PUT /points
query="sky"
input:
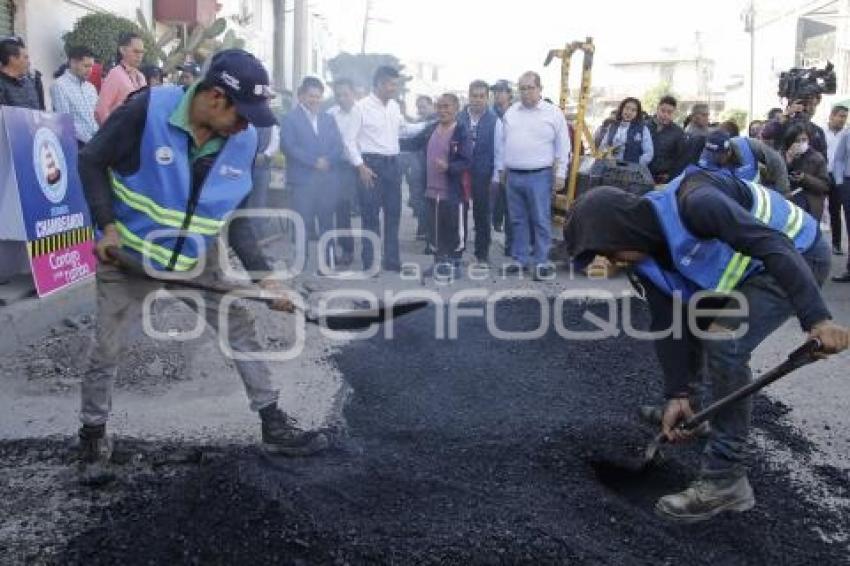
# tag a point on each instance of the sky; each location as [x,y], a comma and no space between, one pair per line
[492,40]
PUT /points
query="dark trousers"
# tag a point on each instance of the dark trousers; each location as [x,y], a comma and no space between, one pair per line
[835,213]
[259,199]
[314,202]
[843,191]
[482,216]
[384,195]
[346,190]
[447,232]
[500,206]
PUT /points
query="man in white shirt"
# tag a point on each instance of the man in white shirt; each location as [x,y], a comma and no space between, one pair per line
[376,157]
[837,121]
[348,119]
[532,149]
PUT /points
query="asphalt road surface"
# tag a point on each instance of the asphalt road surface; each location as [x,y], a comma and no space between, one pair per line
[467,451]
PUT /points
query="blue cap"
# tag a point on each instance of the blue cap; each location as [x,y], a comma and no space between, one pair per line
[244,79]
[716,144]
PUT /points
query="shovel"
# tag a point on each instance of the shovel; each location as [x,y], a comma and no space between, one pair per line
[357,319]
[804,355]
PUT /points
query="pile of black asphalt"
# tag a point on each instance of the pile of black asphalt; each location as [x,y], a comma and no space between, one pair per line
[473,451]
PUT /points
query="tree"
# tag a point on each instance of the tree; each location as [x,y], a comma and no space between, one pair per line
[735,115]
[361,67]
[651,97]
[99,32]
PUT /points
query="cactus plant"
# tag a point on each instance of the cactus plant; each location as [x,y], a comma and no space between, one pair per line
[201,43]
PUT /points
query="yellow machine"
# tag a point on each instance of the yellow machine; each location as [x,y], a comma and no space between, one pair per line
[562,202]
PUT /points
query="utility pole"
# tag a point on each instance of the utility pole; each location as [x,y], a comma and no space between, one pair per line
[366,18]
[279,48]
[750,27]
[300,37]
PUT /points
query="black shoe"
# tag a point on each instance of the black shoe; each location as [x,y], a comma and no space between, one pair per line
[836,249]
[95,456]
[497,228]
[282,436]
[843,278]
[544,272]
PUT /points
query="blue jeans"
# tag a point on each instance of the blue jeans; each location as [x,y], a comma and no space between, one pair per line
[529,205]
[728,365]
[386,196]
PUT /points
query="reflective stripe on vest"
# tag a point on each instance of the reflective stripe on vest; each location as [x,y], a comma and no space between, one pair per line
[738,264]
[164,216]
[157,253]
[159,196]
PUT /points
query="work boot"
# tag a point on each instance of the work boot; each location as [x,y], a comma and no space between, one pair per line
[94,456]
[706,498]
[282,436]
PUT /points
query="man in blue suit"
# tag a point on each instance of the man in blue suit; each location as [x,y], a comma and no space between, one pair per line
[480,121]
[313,146]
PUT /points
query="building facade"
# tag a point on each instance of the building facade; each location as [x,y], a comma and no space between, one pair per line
[798,33]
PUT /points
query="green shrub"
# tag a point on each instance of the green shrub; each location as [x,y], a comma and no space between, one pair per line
[99,32]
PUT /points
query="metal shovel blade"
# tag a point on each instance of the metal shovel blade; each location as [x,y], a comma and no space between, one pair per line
[363,318]
[623,466]
[619,465]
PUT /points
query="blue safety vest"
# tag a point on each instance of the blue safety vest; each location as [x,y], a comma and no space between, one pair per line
[151,204]
[712,264]
[748,170]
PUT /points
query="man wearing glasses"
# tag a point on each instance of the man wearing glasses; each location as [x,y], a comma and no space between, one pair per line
[532,150]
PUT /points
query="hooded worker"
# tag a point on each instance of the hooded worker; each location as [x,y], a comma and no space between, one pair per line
[709,231]
[161,177]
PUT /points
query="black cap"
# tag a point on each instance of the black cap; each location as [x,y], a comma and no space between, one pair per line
[501,86]
[717,143]
[246,82]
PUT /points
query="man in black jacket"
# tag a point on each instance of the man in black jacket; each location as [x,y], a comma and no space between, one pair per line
[17,86]
[668,139]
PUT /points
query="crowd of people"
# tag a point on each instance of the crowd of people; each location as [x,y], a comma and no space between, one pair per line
[489,166]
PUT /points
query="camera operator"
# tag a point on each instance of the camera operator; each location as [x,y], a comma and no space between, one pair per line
[799,111]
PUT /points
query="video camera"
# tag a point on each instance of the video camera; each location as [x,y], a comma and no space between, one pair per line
[797,83]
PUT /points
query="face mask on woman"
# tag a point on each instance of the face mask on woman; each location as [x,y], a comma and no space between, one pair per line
[798,148]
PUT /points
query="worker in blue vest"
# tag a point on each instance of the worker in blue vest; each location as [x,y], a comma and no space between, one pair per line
[161,178]
[742,157]
[709,231]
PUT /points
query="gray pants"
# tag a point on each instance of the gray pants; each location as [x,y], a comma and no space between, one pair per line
[120,298]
